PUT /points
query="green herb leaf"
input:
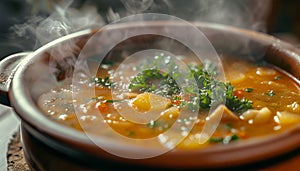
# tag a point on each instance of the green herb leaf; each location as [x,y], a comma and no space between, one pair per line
[248,90]
[225,140]
[131,134]
[270,93]
[215,140]
[103,81]
[112,101]
[102,98]
[228,126]
[152,80]
[234,103]
[278,77]
[158,124]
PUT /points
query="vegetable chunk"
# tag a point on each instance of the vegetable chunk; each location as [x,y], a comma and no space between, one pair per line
[257,116]
[148,101]
[224,113]
[285,118]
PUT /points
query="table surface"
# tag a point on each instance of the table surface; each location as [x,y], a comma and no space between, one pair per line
[9,124]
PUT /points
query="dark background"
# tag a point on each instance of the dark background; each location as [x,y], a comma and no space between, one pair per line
[283,19]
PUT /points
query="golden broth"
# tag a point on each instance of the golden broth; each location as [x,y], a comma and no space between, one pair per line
[275,97]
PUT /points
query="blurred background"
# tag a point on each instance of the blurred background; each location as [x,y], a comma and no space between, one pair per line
[20,18]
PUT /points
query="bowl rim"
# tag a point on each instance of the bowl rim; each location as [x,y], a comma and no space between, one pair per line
[30,114]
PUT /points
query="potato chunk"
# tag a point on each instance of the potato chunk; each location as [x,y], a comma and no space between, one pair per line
[223,113]
[285,118]
[148,101]
[265,71]
[142,102]
[263,116]
[172,112]
[235,77]
[257,116]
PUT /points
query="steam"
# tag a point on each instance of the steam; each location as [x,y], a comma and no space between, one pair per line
[250,14]
[63,21]
[137,6]
[247,14]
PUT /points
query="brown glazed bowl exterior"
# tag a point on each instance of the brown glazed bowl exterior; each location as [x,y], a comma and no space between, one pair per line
[51,146]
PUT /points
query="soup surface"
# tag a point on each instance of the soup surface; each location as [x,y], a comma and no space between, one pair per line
[256,100]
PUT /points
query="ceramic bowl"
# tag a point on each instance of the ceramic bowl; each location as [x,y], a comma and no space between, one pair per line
[52,146]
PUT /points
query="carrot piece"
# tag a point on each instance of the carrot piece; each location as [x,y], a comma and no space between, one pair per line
[103,107]
[242,134]
[238,93]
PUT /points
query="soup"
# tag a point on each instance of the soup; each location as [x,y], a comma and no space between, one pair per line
[255,100]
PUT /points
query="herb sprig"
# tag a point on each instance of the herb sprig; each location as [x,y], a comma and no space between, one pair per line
[209,91]
[152,80]
[103,81]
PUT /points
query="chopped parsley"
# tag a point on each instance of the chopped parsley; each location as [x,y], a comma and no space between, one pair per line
[216,140]
[224,140]
[213,92]
[112,101]
[152,80]
[103,82]
[278,77]
[228,126]
[131,134]
[208,93]
[248,90]
[102,98]
[157,124]
[270,93]
[234,103]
